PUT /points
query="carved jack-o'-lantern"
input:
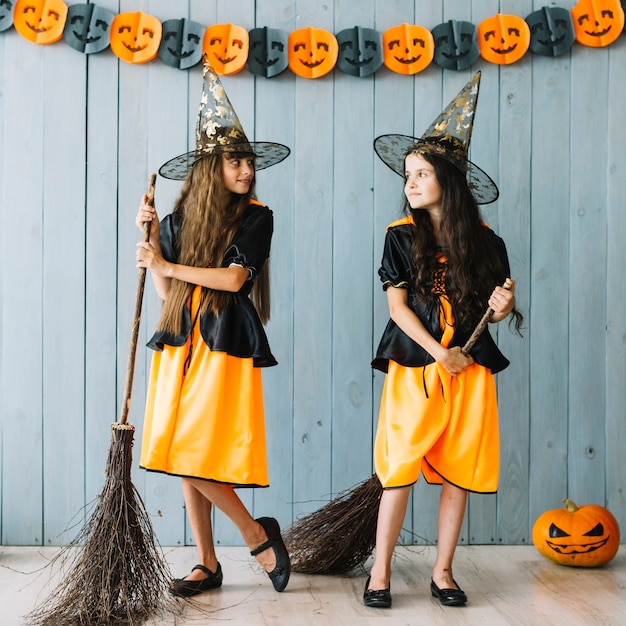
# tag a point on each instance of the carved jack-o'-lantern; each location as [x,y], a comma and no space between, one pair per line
[597,23]
[503,39]
[226,48]
[312,52]
[6,14]
[268,52]
[87,28]
[585,536]
[456,45]
[551,31]
[408,48]
[360,51]
[135,37]
[40,21]
[181,43]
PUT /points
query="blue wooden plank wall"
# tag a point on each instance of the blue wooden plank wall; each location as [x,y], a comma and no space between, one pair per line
[80,134]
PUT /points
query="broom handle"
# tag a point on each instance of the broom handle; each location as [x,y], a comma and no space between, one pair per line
[480,327]
[141,281]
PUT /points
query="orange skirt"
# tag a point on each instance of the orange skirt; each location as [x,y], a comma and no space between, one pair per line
[208,421]
[444,426]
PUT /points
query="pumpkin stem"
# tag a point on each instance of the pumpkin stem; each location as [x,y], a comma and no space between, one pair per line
[571,507]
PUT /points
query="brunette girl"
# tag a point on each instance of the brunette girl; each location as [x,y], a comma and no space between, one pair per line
[441,268]
[204,418]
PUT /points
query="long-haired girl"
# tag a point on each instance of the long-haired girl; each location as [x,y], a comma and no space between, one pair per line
[441,268]
[204,419]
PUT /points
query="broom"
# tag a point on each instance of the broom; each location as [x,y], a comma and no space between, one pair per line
[118,574]
[341,535]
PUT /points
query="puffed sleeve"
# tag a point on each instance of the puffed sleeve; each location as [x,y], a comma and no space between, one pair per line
[395,269]
[251,246]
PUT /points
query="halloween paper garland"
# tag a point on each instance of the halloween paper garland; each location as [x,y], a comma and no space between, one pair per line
[137,37]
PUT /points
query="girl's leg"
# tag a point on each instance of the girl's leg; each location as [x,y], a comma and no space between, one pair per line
[390,519]
[451,511]
[225,499]
[199,514]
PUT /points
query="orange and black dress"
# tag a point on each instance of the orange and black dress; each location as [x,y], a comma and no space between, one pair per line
[204,410]
[444,426]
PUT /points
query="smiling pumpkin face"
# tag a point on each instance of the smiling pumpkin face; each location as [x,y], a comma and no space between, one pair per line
[135,37]
[6,14]
[456,45]
[268,52]
[40,21]
[360,51]
[551,31]
[181,43]
[408,48]
[87,28]
[503,39]
[597,23]
[312,52]
[226,47]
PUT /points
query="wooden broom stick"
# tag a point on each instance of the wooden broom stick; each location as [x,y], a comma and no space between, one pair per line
[141,281]
[480,327]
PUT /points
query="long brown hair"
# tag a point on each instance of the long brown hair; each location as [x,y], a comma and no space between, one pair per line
[474,267]
[210,216]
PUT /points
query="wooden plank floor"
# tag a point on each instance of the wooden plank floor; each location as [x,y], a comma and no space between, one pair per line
[505,585]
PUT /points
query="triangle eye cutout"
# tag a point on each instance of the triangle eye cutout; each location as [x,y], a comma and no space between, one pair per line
[596,531]
[556,532]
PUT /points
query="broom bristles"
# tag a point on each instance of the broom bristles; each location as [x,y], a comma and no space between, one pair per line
[338,537]
[118,575]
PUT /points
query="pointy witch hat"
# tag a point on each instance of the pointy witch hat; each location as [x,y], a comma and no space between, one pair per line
[448,137]
[219,131]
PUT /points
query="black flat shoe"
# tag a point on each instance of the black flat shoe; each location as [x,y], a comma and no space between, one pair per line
[187,588]
[280,574]
[376,598]
[448,597]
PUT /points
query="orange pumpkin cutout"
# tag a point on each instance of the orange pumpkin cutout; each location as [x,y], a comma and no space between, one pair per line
[312,52]
[585,536]
[226,47]
[40,21]
[597,23]
[408,48]
[135,37]
[503,39]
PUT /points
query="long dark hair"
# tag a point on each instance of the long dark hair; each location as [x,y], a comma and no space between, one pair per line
[208,226]
[474,266]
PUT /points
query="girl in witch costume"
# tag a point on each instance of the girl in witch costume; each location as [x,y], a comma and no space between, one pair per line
[204,416]
[441,266]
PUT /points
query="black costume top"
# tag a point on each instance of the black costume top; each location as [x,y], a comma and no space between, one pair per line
[237,330]
[395,344]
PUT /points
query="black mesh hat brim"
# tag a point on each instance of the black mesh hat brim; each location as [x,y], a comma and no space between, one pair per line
[392,150]
[266,154]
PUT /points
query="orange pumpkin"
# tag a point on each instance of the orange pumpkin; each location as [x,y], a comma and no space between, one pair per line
[585,536]
[597,23]
[40,21]
[408,48]
[503,39]
[226,47]
[135,37]
[312,52]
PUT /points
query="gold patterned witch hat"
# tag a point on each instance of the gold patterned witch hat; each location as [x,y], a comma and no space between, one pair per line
[219,131]
[448,137]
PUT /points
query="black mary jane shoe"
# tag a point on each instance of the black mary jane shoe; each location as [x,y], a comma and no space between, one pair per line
[187,588]
[448,597]
[376,598]
[280,574]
